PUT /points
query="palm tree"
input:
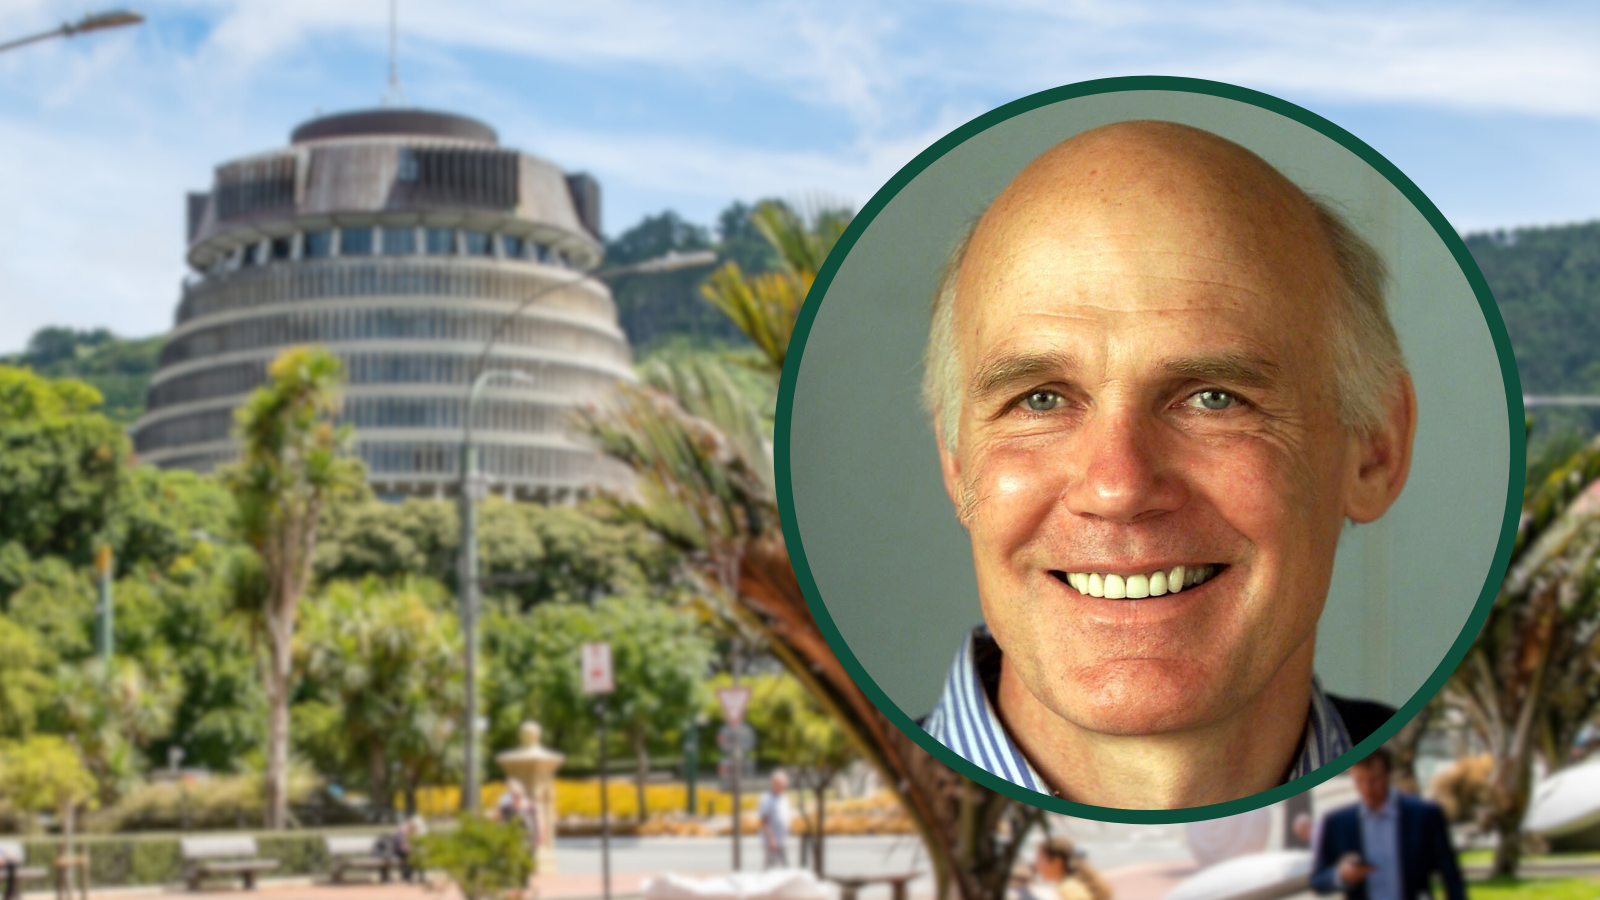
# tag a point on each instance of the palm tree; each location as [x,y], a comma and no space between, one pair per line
[704,483]
[292,462]
[388,656]
[1532,677]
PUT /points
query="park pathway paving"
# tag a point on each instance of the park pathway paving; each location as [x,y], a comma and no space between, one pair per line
[548,887]
[1149,881]
[1140,881]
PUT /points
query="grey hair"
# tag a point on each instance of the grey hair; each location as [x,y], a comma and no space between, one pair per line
[1367,358]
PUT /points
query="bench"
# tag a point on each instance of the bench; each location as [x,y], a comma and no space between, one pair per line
[222,856]
[14,850]
[368,852]
[851,885]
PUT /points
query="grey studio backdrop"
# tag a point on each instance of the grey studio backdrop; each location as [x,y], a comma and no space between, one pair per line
[894,566]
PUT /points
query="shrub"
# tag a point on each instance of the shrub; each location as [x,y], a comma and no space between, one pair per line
[484,858]
[1462,789]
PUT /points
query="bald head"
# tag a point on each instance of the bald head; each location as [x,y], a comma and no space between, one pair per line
[1163,189]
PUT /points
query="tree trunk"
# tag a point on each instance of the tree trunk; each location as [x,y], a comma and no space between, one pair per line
[283,597]
[641,753]
[382,803]
[1405,747]
[972,834]
[1509,787]
[822,824]
[276,799]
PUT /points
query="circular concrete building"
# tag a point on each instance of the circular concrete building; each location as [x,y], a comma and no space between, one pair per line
[401,240]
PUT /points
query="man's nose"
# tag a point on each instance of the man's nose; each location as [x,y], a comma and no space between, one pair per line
[1127,474]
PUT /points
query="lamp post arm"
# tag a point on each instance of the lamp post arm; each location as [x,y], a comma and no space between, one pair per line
[61,31]
[91,22]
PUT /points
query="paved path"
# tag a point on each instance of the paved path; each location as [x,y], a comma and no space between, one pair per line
[1142,865]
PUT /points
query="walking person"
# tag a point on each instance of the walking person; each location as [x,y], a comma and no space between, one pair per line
[773,811]
[1060,872]
[11,874]
[1386,847]
[516,806]
[405,843]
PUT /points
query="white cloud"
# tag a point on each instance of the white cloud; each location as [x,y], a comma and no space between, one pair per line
[105,133]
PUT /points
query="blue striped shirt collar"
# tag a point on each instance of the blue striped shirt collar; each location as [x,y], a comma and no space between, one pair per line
[965,721]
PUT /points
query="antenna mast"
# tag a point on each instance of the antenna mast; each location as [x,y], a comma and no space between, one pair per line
[394,96]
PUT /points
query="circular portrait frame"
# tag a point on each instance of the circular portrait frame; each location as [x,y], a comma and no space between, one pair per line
[783,454]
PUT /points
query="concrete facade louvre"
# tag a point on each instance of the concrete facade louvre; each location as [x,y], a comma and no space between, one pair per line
[277,262]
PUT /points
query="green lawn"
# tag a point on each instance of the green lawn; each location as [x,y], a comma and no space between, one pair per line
[1470,857]
[1535,889]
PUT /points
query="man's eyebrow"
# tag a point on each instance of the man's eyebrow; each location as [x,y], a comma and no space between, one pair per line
[1243,369]
[1007,372]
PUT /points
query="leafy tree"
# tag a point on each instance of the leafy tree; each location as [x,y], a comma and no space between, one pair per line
[659,657]
[44,772]
[292,464]
[113,709]
[25,687]
[185,615]
[570,553]
[385,659]
[163,514]
[702,486]
[61,466]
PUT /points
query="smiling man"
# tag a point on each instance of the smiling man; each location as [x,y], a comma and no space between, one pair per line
[1162,379]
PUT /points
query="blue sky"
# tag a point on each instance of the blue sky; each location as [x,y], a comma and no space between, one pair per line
[1493,109]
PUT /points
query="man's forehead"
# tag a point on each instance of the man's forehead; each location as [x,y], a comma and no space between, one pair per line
[1146,218]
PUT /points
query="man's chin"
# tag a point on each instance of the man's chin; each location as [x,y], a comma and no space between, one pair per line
[1137,697]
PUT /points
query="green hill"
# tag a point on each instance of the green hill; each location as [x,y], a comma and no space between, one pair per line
[1547,284]
[120,368]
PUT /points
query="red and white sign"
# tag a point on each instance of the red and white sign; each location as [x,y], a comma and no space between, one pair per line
[597,669]
[733,700]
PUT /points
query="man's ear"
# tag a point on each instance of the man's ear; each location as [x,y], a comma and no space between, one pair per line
[950,467]
[1384,457]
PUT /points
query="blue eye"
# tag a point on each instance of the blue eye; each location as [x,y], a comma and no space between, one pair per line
[1042,401]
[1213,400]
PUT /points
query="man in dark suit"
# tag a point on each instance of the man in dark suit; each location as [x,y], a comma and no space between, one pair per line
[1386,847]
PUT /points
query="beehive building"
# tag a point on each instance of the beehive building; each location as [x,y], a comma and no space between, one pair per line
[400,239]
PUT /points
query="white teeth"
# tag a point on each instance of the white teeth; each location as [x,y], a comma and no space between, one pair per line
[1137,587]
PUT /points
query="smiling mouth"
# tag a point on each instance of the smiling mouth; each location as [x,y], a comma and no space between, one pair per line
[1114,586]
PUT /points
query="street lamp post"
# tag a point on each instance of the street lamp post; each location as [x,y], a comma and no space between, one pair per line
[92,22]
[473,487]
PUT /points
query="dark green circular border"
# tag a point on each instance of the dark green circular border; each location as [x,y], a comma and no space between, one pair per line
[1491,315]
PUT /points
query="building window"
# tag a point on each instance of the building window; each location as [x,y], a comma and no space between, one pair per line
[282,247]
[408,165]
[476,243]
[355,242]
[399,241]
[441,241]
[513,247]
[318,244]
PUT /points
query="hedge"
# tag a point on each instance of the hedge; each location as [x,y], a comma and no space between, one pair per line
[145,859]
